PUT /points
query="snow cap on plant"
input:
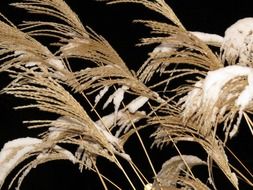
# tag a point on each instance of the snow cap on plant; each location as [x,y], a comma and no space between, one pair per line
[237,44]
[219,95]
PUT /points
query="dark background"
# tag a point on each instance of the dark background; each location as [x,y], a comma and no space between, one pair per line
[114,22]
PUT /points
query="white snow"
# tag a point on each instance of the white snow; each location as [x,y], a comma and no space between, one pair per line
[123,118]
[175,165]
[215,80]
[238,42]
[136,104]
[234,131]
[55,132]
[65,154]
[210,39]
[117,98]
[247,94]
[126,120]
[56,63]
[101,94]
[196,92]
[107,121]
[206,92]
[164,48]
[114,141]
[12,152]
[148,186]
[60,125]
[19,52]
[32,63]
[109,137]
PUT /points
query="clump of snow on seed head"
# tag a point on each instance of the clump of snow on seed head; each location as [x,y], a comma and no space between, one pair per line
[238,42]
[201,102]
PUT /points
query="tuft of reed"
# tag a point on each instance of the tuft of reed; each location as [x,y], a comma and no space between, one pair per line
[209,94]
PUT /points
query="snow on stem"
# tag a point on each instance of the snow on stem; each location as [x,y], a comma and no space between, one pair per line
[17,150]
[13,152]
[210,39]
[215,81]
[101,94]
[212,85]
[237,44]
[136,104]
[202,99]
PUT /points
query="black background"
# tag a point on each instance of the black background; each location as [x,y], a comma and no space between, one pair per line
[114,22]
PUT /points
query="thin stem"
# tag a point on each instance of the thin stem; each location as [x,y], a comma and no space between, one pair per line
[124,172]
[138,173]
[118,163]
[179,152]
[249,122]
[100,118]
[240,162]
[105,178]
[241,175]
[144,148]
[171,139]
[100,176]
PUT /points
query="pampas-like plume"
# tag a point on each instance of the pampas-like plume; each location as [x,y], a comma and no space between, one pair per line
[71,28]
[78,41]
[159,6]
[237,45]
[171,129]
[186,49]
[205,105]
[214,90]
[175,170]
[74,127]
[18,150]
[50,96]
[25,50]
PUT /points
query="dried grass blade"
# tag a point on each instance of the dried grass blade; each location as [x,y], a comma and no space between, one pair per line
[159,6]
